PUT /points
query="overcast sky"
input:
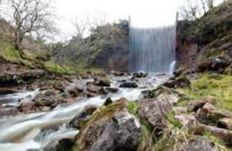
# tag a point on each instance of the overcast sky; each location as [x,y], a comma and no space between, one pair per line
[143,12]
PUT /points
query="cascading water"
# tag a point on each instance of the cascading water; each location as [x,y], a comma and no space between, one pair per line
[152,49]
[37,130]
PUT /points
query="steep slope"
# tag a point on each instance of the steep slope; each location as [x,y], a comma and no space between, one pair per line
[207,38]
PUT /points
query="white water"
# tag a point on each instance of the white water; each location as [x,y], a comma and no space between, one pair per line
[152,49]
[13,99]
[21,133]
[172,67]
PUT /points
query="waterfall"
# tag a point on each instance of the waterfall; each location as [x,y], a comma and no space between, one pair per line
[152,49]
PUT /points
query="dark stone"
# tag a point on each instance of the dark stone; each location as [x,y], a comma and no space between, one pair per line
[102,82]
[108,101]
[63,145]
[140,75]
[120,133]
[178,82]
[108,90]
[82,117]
[129,85]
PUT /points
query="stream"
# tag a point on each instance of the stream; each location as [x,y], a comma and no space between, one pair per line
[38,130]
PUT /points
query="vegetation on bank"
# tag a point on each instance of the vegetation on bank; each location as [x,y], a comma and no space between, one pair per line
[216,85]
[174,136]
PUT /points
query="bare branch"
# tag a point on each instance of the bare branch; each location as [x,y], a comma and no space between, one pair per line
[29,16]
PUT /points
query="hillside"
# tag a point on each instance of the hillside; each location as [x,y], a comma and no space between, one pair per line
[207,38]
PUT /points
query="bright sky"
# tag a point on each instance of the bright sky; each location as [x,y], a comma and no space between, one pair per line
[142,12]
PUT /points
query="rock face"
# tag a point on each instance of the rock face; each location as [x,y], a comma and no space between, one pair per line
[111,129]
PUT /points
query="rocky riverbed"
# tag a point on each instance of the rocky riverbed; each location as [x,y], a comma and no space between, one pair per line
[39,113]
[114,111]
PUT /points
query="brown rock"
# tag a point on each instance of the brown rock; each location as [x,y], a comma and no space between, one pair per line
[225,123]
[110,129]
[193,106]
[154,111]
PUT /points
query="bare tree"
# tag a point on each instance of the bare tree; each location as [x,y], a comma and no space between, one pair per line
[193,9]
[29,17]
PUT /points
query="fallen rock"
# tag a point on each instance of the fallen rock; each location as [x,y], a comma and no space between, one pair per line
[200,144]
[154,111]
[129,85]
[225,123]
[224,134]
[102,82]
[187,120]
[178,82]
[139,75]
[93,88]
[211,116]
[49,98]
[193,106]
[110,129]
[217,64]
[108,101]
[160,90]
[27,107]
[82,117]
[62,145]
[117,73]
[107,90]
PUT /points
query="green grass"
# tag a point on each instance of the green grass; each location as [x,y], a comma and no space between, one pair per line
[52,67]
[8,52]
[133,107]
[70,68]
[219,86]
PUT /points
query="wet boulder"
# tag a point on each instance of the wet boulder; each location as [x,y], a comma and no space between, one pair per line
[139,75]
[108,101]
[178,82]
[49,98]
[93,88]
[82,117]
[111,128]
[129,85]
[162,93]
[62,145]
[102,82]
[117,73]
[107,90]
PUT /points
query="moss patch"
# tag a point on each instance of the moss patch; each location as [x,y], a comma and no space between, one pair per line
[219,86]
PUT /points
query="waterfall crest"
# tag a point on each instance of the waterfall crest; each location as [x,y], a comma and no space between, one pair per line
[152,49]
